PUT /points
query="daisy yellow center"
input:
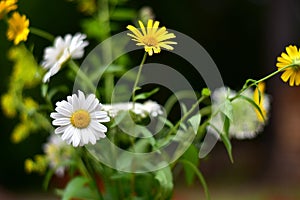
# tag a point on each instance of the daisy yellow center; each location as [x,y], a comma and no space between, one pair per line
[150,41]
[80,119]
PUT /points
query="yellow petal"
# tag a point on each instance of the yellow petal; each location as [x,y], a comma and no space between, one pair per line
[135,31]
[161,31]
[292,51]
[155,26]
[165,37]
[285,56]
[142,27]
[149,26]
[283,60]
[297,78]
[164,45]
[292,79]
[286,75]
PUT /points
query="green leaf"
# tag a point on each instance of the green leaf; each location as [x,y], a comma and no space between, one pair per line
[165,179]
[78,188]
[226,126]
[146,95]
[251,101]
[44,89]
[195,122]
[228,146]
[199,175]
[226,142]
[226,109]
[165,121]
[191,154]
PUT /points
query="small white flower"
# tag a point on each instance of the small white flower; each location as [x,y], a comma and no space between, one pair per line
[78,119]
[149,108]
[63,49]
[57,152]
[245,123]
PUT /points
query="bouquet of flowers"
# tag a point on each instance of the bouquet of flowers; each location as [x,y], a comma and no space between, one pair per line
[117,131]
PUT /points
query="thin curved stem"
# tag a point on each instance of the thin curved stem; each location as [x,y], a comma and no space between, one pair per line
[254,82]
[82,75]
[42,34]
[138,78]
[187,114]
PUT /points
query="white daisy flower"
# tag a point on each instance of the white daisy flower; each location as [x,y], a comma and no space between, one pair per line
[63,49]
[245,123]
[149,108]
[78,119]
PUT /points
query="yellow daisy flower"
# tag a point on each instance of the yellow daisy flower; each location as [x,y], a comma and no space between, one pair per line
[152,37]
[259,99]
[6,6]
[18,28]
[291,58]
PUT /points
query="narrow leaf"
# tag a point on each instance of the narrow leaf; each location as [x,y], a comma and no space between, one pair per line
[199,175]
[191,154]
[146,95]
[251,101]
[228,146]
[195,122]
[226,109]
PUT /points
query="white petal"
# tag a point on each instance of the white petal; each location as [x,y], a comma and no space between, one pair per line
[56,115]
[99,114]
[89,100]
[75,103]
[93,105]
[91,136]
[101,135]
[76,137]
[81,98]
[98,127]
[60,129]
[46,77]
[68,133]
[85,136]
[106,119]
[63,111]
[61,122]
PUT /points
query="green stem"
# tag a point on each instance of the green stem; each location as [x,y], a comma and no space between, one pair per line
[138,78]
[187,114]
[254,82]
[103,18]
[88,171]
[42,34]
[82,75]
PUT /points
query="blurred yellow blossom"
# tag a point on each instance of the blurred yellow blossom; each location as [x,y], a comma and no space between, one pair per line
[26,71]
[39,164]
[8,105]
[6,6]
[18,28]
[20,132]
[259,99]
